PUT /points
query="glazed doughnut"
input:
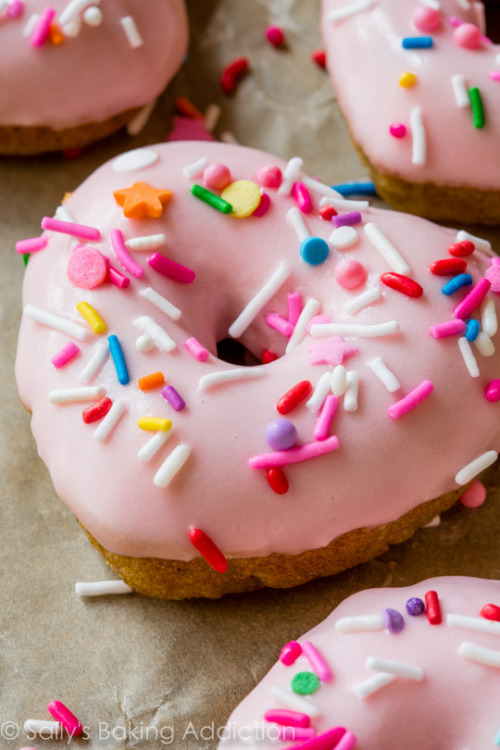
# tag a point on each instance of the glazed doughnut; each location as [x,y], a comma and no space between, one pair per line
[75,71]
[382,672]
[355,427]
[419,87]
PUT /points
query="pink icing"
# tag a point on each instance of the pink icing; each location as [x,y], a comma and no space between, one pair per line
[371,99]
[405,713]
[378,465]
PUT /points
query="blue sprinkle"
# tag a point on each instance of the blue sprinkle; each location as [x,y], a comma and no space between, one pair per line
[497,738]
[472,332]
[456,283]
[119,360]
[394,621]
[417,42]
[314,250]
[415,606]
[359,187]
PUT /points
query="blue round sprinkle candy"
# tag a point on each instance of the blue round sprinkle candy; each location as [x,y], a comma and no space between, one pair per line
[415,606]
[314,250]
[472,331]
[394,621]
[281,434]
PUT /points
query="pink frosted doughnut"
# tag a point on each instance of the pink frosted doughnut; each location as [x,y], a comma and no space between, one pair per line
[205,475]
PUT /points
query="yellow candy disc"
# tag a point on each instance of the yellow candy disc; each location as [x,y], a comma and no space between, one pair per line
[407,80]
[244,196]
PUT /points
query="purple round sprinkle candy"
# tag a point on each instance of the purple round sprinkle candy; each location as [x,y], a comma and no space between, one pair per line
[281,434]
[394,621]
[173,397]
[415,606]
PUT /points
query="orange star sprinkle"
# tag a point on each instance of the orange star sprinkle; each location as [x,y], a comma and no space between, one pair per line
[142,200]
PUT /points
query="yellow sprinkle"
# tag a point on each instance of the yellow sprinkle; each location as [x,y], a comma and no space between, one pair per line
[155,424]
[244,196]
[92,317]
[407,80]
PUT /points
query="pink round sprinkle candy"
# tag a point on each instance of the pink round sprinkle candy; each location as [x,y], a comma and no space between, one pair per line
[65,354]
[87,268]
[290,653]
[426,19]
[467,35]
[263,207]
[216,176]
[302,197]
[275,36]
[269,176]
[474,495]
[493,391]
[350,274]
[397,129]
[63,715]
[493,276]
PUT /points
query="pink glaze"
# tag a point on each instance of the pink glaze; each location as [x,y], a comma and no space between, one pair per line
[377,468]
[455,705]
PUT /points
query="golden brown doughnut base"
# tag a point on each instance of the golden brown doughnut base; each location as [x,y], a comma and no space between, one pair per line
[171,579]
[29,141]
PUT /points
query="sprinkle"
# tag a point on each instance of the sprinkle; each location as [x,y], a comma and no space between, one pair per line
[212,116]
[131,32]
[474,495]
[65,354]
[15,8]
[302,197]
[32,245]
[232,73]
[398,668]
[102,588]
[141,201]
[154,424]
[92,317]
[411,400]
[42,28]
[473,299]
[317,662]
[328,193]
[295,220]
[339,381]
[294,702]
[207,549]
[57,323]
[147,382]
[310,309]
[117,278]
[275,35]
[141,119]
[244,196]
[324,421]
[461,249]
[456,283]
[362,300]
[468,357]
[172,465]
[478,624]
[402,284]
[295,733]
[291,175]
[47,729]
[493,391]
[305,683]
[433,608]
[264,205]
[352,329]
[277,480]
[99,356]
[334,738]
[281,434]
[489,322]
[279,324]
[360,624]
[63,214]
[269,176]
[161,303]
[76,395]
[108,424]
[372,684]
[385,375]
[123,255]
[31,24]
[151,448]
[314,250]
[118,359]
[495,76]
[294,455]
[268,356]
[386,249]
[477,107]
[288,718]
[196,350]
[97,411]
[415,606]
[319,57]
[87,268]
[472,330]
[460,90]
[349,10]
[479,242]
[419,137]
[136,159]
[148,242]
[487,656]
[74,230]
[150,327]
[346,220]
[351,394]
[394,621]
[294,307]
[397,130]
[288,656]
[292,398]
[476,467]
[66,718]
[449,328]
[356,187]
[327,212]
[407,80]
[263,296]
[417,42]
[228,376]
[171,269]
[343,238]
[448,266]
[320,392]
[195,169]
[491,612]
[173,397]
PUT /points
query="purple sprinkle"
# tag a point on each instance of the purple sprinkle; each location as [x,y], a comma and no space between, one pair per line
[347,220]
[173,397]
[415,606]
[394,621]
[281,434]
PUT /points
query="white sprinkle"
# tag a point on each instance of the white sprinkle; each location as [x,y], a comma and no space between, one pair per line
[487,656]
[161,303]
[476,467]
[468,357]
[310,309]
[131,32]
[195,169]
[144,343]
[153,445]
[98,358]
[51,730]
[497,60]
[398,668]
[212,115]
[74,395]
[322,330]
[373,684]
[351,394]
[435,4]
[419,147]
[4,4]
[479,242]
[148,242]
[295,220]
[436,521]
[479,624]
[291,174]
[136,159]
[92,16]
[108,424]
[320,392]
[150,327]
[228,376]
[362,300]
[386,249]
[484,344]
[343,238]
[460,90]
[326,191]
[360,623]
[349,10]
[51,320]
[72,28]
[73,10]
[31,25]
[141,119]
[489,322]
[338,382]
[465,4]
[271,286]
[228,137]
[385,375]
[293,702]
[63,214]
[345,203]
[172,465]
[102,588]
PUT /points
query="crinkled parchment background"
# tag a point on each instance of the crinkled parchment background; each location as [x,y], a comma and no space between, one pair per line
[129,665]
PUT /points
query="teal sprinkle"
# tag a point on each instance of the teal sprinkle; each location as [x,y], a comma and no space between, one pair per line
[497,739]
[477,107]
[212,199]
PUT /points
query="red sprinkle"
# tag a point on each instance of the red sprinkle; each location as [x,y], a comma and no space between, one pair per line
[327,212]
[448,266]
[187,109]
[462,249]
[277,480]
[208,550]
[97,411]
[232,74]
[319,57]
[268,356]
[432,608]
[402,284]
[275,36]
[491,612]
[294,396]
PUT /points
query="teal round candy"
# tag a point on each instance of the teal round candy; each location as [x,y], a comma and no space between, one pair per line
[305,683]
[314,250]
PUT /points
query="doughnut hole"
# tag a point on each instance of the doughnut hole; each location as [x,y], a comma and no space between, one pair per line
[236,353]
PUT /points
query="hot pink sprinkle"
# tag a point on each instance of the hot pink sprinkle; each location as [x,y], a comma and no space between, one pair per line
[33,245]
[263,207]
[317,662]
[493,391]
[397,129]
[347,220]
[171,269]
[288,718]
[294,455]
[14,9]
[296,733]
[196,349]
[493,276]
[68,227]
[288,656]
[326,741]
[450,328]
[117,278]
[495,75]
[324,421]
[411,400]
[275,35]
[473,299]
[279,324]
[64,716]
[474,495]
[294,307]
[302,197]
[123,255]
[41,31]
[65,354]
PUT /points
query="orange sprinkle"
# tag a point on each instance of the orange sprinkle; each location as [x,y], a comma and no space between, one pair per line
[55,34]
[184,107]
[151,381]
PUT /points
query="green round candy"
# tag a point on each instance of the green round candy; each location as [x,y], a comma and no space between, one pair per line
[305,683]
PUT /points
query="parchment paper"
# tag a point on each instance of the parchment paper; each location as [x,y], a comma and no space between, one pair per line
[138,672]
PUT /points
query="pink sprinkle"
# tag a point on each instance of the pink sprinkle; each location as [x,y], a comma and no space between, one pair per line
[269,176]
[290,734]
[288,718]
[263,207]
[473,299]
[317,662]
[117,278]
[347,742]
[495,75]
[450,328]
[495,261]
[65,354]
[411,400]
[350,274]
[196,349]
[279,324]
[288,656]
[15,8]
[324,421]
[493,391]
[87,267]
[397,129]
[302,197]
[68,227]
[63,715]
[474,495]
[32,245]
[347,220]
[123,255]
[171,269]
[275,36]
[493,275]
[294,307]
[325,741]
[41,31]
[294,455]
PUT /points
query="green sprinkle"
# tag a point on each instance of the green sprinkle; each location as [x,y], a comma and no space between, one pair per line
[212,199]
[305,683]
[477,107]
[26,258]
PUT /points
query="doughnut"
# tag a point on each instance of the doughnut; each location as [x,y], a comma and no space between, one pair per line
[75,71]
[230,393]
[388,667]
[419,87]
